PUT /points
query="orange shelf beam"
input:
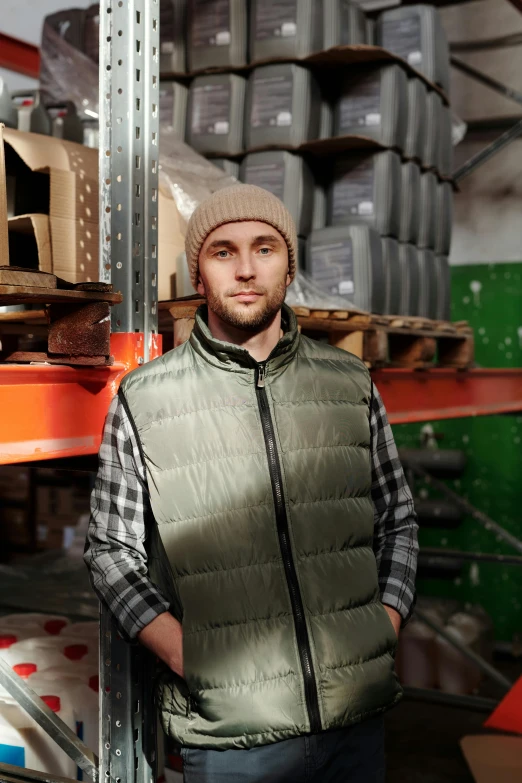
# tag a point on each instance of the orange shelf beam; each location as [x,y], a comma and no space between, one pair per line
[19,56]
[416,395]
[51,411]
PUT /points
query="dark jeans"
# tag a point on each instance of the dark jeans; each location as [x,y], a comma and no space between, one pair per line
[351,755]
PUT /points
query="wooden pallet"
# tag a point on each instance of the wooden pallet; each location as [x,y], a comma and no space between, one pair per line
[73,317]
[380,340]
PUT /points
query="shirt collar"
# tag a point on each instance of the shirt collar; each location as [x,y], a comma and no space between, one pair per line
[234,358]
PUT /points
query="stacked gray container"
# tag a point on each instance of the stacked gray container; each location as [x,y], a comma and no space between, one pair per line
[173,98]
[344,24]
[172,36]
[365,190]
[215,114]
[373,103]
[283,106]
[394,196]
[285,28]
[218,34]
[347,261]
[288,177]
[415,33]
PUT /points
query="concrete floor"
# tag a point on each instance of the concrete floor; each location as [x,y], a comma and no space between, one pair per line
[422,740]
[422,743]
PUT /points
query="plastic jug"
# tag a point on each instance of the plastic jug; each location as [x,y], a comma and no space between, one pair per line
[37,653]
[418,655]
[86,672]
[24,744]
[86,630]
[456,673]
[50,624]
[83,700]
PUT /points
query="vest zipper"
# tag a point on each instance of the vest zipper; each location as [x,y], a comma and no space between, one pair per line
[303,642]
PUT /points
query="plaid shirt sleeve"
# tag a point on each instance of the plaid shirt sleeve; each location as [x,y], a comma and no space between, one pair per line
[395,522]
[115,548]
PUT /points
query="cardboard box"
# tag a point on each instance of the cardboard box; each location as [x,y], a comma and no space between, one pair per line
[30,241]
[15,528]
[48,537]
[14,483]
[171,242]
[59,506]
[493,758]
[49,176]
[53,210]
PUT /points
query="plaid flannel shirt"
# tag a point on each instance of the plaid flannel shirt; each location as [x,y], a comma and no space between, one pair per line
[115,550]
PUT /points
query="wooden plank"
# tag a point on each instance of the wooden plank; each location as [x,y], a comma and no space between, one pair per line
[182,330]
[375,350]
[350,341]
[28,357]
[22,316]
[79,330]
[360,319]
[456,353]
[13,294]
[16,275]
[320,314]
[407,350]
[184,309]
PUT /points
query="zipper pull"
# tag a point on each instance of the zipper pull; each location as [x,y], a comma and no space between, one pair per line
[261,375]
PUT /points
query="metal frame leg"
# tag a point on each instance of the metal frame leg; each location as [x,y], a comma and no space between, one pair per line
[127,711]
[482,664]
[479,516]
[129,151]
[502,141]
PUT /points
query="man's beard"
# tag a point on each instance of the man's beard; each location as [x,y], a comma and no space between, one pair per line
[250,318]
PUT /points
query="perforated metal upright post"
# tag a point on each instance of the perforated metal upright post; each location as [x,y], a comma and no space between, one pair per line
[129,143]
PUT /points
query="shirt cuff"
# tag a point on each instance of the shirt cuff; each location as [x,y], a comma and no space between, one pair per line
[403,605]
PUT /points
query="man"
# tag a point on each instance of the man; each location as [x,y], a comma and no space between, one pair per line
[251,524]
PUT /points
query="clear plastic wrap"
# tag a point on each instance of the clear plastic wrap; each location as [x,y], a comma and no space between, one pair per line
[303,292]
[66,74]
[188,176]
[55,581]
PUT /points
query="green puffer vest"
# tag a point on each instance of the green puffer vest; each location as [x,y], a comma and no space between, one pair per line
[259,479]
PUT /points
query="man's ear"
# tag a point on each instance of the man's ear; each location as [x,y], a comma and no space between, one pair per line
[201,287]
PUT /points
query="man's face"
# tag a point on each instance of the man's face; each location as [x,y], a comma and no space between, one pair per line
[243,273]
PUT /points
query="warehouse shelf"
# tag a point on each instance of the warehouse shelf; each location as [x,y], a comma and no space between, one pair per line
[19,56]
[45,400]
[414,396]
[55,411]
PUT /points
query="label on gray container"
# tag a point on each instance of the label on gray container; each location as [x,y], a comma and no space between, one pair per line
[166,106]
[361,105]
[211,23]
[276,19]
[269,176]
[272,102]
[403,38]
[353,193]
[332,267]
[211,109]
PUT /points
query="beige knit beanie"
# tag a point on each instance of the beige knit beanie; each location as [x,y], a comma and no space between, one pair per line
[232,205]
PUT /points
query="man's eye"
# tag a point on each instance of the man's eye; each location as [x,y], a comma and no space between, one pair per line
[264,251]
[222,253]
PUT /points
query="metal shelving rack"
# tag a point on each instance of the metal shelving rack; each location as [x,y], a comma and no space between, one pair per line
[129,161]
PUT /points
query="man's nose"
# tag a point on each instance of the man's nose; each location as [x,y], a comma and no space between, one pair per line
[245,269]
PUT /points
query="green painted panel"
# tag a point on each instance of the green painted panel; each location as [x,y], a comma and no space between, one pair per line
[489,296]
